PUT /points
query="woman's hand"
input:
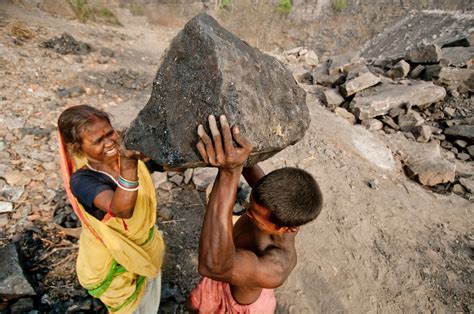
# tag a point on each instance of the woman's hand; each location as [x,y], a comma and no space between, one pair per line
[220,151]
[128,160]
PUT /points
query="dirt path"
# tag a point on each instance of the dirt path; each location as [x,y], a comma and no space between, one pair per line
[394,248]
[397,248]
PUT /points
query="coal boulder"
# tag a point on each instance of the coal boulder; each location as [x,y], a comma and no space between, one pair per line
[208,70]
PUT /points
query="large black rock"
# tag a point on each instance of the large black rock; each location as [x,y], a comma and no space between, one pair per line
[207,70]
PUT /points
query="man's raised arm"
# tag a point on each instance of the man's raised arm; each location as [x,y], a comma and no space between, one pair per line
[216,246]
[218,257]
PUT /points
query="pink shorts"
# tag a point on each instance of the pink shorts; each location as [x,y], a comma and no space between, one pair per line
[212,296]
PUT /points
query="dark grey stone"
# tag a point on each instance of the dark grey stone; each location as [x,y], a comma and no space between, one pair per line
[431,72]
[457,78]
[72,92]
[80,306]
[466,41]
[463,132]
[207,70]
[399,70]
[66,44]
[107,52]
[13,283]
[321,76]
[417,71]
[457,56]
[21,306]
[463,156]
[424,54]
[410,120]
[389,121]
[470,150]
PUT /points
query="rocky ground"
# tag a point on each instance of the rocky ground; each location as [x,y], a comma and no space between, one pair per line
[384,243]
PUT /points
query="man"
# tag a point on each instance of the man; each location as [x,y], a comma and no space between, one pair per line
[242,264]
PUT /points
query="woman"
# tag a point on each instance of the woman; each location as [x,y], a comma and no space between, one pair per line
[110,188]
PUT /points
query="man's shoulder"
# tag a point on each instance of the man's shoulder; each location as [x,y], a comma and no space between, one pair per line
[262,243]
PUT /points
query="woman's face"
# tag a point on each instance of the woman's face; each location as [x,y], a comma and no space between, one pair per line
[99,142]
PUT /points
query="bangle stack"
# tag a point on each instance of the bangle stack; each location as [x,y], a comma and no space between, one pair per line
[127,185]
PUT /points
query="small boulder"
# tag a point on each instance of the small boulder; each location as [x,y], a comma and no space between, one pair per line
[159,178]
[372,124]
[457,56]
[342,63]
[458,189]
[311,58]
[463,132]
[302,75]
[322,77]
[391,123]
[6,207]
[24,305]
[410,120]
[399,70]
[468,183]
[422,133]
[292,59]
[13,283]
[381,99]
[431,172]
[463,156]
[449,111]
[460,143]
[295,51]
[424,54]
[333,98]
[188,175]
[166,186]
[346,115]
[417,71]
[177,179]
[470,150]
[395,112]
[202,177]
[459,77]
[431,72]
[364,81]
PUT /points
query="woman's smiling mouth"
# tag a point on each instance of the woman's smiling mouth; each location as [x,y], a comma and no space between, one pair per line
[111,152]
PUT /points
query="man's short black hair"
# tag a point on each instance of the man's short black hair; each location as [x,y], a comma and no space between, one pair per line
[291,194]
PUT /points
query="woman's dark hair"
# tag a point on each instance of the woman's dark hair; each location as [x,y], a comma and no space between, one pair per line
[73,121]
[292,195]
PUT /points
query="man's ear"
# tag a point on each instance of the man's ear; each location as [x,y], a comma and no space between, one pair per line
[292,229]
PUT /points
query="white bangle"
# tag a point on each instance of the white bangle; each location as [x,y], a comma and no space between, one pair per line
[128,189]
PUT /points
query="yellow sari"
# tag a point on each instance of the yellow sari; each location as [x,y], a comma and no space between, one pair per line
[113,261]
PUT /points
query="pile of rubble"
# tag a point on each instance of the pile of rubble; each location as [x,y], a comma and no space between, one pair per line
[66,44]
[426,96]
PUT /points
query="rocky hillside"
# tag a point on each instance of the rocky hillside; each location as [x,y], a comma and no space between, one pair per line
[326,26]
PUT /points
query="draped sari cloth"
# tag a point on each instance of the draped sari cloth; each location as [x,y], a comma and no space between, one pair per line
[117,256]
